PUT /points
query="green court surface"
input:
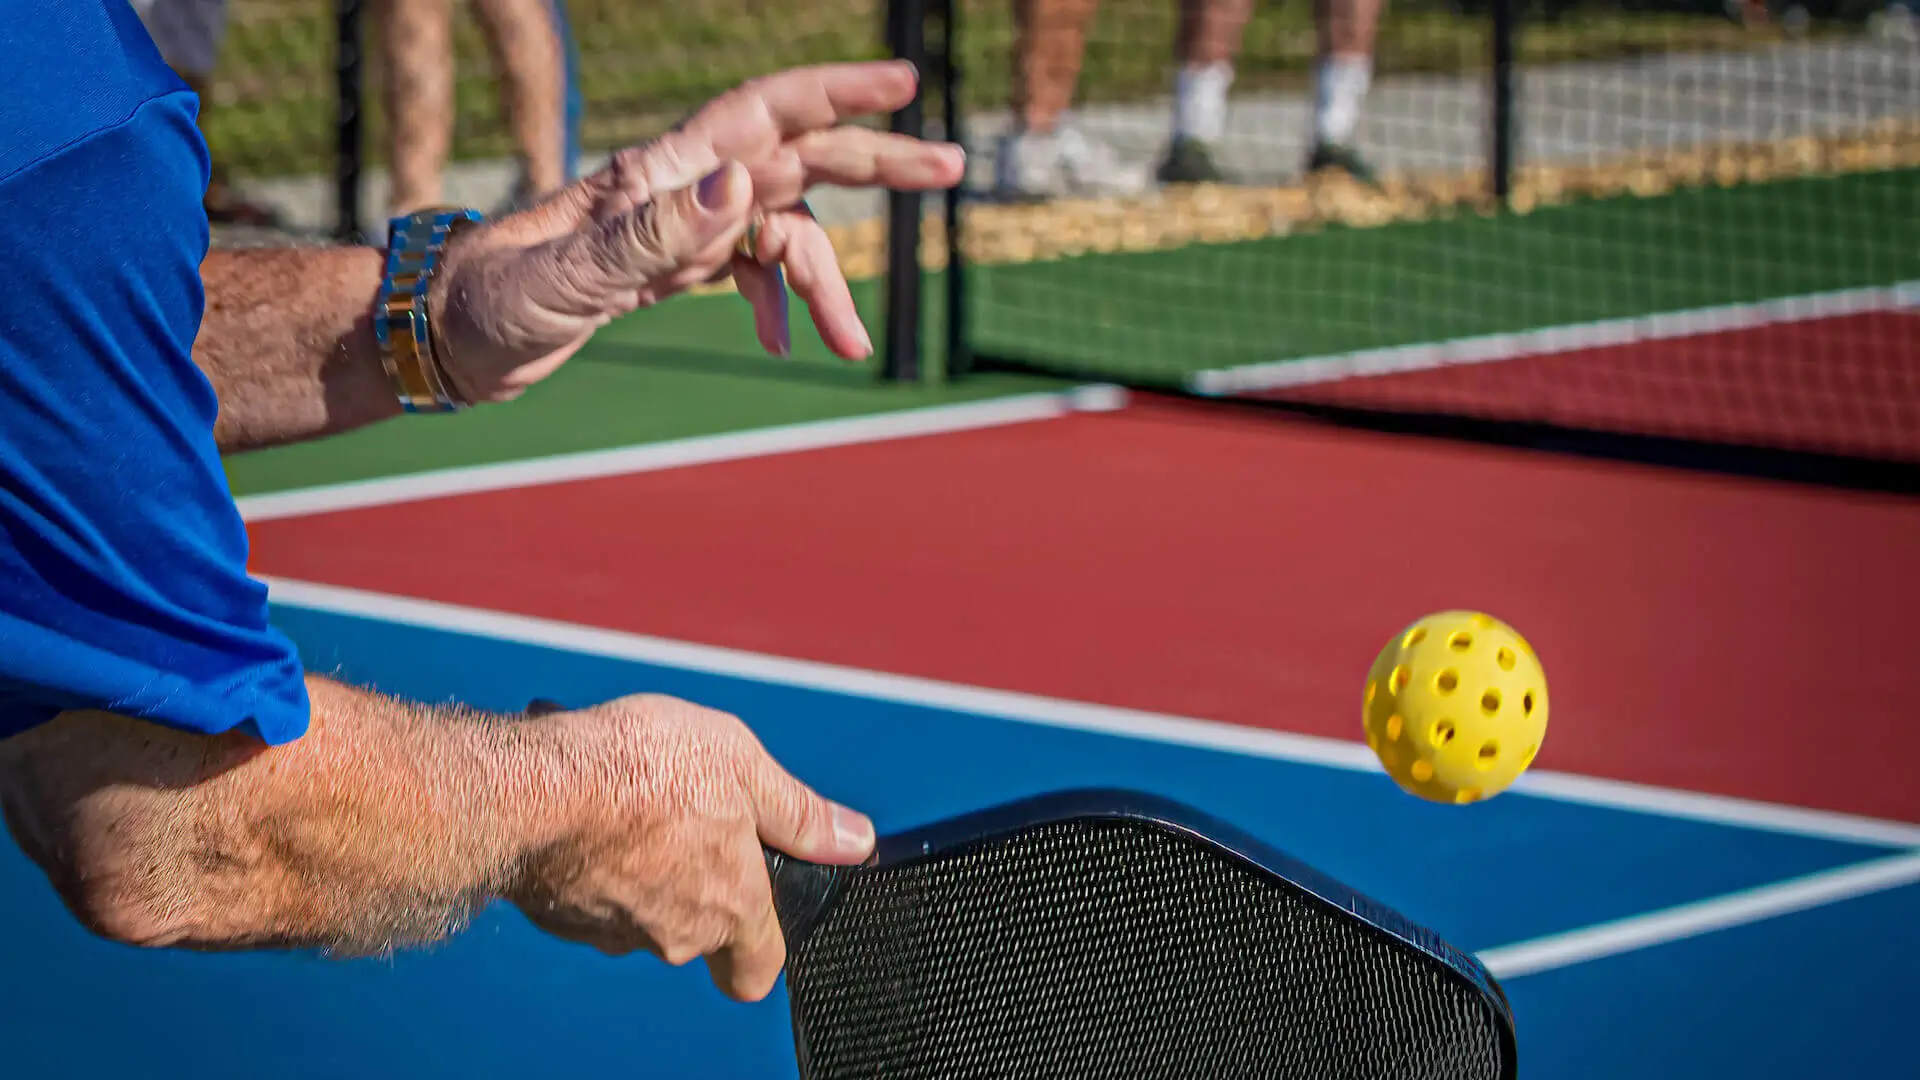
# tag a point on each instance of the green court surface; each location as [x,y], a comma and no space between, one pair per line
[691,366]
[688,367]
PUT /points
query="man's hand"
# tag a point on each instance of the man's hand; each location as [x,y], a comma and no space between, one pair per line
[519,297]
[633,825]
[288,343]
[664,854]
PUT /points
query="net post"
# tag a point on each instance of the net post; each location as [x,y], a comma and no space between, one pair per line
[906,40]
[1502,120]
[958,352]
[348,99]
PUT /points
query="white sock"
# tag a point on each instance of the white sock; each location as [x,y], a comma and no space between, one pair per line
[1200,101]
[1339,91]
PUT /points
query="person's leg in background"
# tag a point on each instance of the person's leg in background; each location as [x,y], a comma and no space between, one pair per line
[1041,156]
[1205,45]
[532,50]
[188,35]
[416,52]
[1342,73]
[530,59]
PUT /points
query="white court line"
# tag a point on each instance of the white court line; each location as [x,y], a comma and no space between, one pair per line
[701,450]
[1701,917]
[1276,374]
[1059,713]
[1022,408]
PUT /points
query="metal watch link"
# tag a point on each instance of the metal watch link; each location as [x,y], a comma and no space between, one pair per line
[401,321]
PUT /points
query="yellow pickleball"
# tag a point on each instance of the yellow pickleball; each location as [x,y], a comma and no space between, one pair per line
[1456,706]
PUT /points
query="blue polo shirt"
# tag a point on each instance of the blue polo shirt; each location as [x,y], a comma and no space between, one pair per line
[123,581]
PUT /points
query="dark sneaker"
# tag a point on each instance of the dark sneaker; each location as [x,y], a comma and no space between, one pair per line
[1334,157]
[1189,161]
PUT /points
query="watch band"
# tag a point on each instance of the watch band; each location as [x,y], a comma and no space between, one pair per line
[401,322]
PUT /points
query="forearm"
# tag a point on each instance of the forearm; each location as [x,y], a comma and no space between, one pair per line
[386,824]
[287,341]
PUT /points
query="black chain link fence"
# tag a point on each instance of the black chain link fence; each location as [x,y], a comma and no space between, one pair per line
[274,114]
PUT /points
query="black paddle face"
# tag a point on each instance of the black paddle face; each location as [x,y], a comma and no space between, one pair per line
[1110,934]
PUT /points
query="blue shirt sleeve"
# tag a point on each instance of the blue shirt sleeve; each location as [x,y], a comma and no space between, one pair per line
[123,580]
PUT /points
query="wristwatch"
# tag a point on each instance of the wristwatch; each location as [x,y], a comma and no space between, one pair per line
[402,323]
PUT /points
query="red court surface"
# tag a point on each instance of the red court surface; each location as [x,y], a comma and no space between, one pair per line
[1840,385]
[1706,633]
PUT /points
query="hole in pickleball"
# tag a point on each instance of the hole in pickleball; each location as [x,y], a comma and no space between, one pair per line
[1489,753]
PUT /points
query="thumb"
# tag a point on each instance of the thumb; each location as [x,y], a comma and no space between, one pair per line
[638,256]
[695,227]
[797,820]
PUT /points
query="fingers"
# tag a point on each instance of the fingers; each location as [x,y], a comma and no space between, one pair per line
[795,819]
[765,287]
[747,966]
[813,272]
[748,123]
[751,120]
[794,240]
[855,157]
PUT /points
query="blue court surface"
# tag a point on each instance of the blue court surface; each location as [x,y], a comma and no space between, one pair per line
[1634,940]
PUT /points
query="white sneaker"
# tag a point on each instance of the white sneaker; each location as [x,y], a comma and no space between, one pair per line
[1040,165]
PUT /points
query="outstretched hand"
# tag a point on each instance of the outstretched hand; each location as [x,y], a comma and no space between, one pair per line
[521,295]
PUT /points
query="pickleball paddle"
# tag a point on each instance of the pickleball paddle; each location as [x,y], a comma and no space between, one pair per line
[1115,934]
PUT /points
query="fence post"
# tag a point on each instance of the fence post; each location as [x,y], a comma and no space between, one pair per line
[348,115]
[1500,163]
[906,39]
